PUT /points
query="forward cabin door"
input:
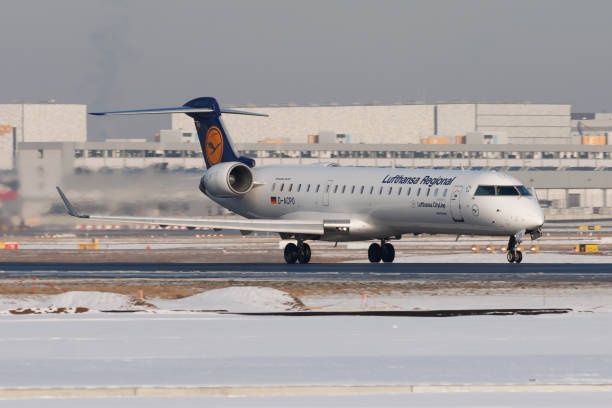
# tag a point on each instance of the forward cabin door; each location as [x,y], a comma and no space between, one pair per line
[455,204]
[326,190]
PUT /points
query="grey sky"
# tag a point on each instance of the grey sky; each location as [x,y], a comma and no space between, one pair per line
[130,54]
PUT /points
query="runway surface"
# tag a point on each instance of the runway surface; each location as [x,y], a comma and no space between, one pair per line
[333,271]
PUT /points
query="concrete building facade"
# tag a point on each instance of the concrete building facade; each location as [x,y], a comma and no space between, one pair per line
[45,122]
[384,124]
[7,147]
[592,128]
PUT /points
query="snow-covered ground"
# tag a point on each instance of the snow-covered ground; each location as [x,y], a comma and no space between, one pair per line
[497,257]
[455,400]
[211,349]
[578,299]
[238,299]
[92,301]
[164,348]
[234,299]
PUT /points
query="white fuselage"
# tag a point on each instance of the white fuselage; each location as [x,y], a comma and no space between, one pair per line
[358,203]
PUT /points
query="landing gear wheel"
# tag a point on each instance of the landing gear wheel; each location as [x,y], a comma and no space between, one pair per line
[291,253]
[515,256]
[374,253]
[303,253]
[388,253]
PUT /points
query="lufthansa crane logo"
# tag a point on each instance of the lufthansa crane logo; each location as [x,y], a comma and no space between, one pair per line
[475,210]
[214,145]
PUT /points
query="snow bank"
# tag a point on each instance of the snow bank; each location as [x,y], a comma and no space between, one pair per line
[90,300]
[587,299]
[8,302]
[68,302]
[235,299]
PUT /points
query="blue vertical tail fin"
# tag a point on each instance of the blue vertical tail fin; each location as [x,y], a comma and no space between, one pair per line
[215,142]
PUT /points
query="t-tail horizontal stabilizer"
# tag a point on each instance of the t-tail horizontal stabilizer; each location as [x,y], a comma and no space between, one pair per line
[178,109]
[206,113]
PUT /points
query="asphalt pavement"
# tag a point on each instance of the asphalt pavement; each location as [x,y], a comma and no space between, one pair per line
[313,271]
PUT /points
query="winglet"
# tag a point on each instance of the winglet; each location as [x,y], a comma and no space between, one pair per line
[71,210]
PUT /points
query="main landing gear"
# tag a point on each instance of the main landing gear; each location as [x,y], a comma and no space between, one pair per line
[514,254]
[384,252]
[297,253]
[301,252]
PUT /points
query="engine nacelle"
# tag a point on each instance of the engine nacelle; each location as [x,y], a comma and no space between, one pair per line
[228,179]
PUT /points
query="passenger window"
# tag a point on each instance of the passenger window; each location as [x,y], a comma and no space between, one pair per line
[399,192]
[371,190]
[353,190]
[419,192]
[335,189]
[506,191]
[485,191]
[380,191]
[308,188]
[326,188]
[282,187]
[318,187]
[273,186]
[290,187]
[409,191]
[428,191]
[299,187]
[343,189]
[445,192]
[436,192]
[390,189]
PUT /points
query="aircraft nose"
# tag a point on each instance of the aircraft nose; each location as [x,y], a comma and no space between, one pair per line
[535,218]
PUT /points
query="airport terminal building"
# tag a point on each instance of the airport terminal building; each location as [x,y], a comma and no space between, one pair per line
[566,156]
[401,124]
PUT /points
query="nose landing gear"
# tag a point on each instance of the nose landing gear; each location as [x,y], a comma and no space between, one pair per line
[297,253]
[384,252]
[514,254]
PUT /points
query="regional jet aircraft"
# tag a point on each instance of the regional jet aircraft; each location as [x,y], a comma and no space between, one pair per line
[337,203]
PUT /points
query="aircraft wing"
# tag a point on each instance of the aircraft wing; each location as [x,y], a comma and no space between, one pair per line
[257,225]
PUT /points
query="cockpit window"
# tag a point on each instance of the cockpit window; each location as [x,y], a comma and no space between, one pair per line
[502,191]
[485,191]
[523,190]
[506,191]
